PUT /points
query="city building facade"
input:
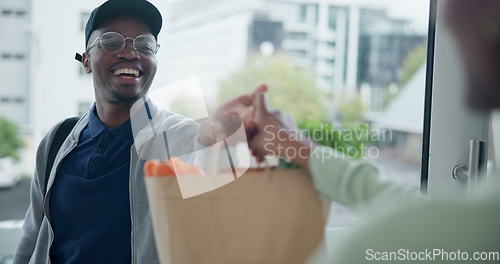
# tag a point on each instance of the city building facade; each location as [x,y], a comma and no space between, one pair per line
[15,96]
[343,44]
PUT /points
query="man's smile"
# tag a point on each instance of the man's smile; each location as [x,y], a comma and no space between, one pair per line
[127,73]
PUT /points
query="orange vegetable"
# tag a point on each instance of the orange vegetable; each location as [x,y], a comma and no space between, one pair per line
[164,169]
[170,168]
[149,167]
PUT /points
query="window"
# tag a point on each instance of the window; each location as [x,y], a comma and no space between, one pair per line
[12,100]
[298,52]
[6,56]
[6,12]
[296,35]
[316,13]
[20,13]
[357,95]
[328,79]
[9,12]
[218,47]
[332,17]
[13,56]
[303,13]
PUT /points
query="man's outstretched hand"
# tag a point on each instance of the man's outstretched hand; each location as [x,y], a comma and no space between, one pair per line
[277,135]
[229,117]
[268,132]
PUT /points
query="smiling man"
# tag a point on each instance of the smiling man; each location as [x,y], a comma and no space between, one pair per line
[92,206]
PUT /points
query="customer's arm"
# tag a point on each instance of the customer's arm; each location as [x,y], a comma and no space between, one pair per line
[352,182]
[347,181]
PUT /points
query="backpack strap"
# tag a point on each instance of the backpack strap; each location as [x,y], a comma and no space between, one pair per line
[61,134]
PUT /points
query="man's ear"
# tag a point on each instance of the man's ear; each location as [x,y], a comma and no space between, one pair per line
[86,62]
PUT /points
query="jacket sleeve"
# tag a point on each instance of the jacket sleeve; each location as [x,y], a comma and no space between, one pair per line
[352,183]
[34,215]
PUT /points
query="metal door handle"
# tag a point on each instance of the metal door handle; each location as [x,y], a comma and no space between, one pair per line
[471,173]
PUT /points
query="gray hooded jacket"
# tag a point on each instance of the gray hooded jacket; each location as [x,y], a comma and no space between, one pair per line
[38,235]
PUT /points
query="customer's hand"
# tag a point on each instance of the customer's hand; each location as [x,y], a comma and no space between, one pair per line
[277,135]
[229,117]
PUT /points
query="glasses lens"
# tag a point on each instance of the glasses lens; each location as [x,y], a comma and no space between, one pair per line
[112,42]
[146,45]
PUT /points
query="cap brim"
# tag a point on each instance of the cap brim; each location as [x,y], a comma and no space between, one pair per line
[143,10]
[140,9]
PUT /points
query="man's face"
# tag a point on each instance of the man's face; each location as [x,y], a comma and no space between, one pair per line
[111,83]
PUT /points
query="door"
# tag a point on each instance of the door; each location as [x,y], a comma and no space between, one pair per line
[450,124]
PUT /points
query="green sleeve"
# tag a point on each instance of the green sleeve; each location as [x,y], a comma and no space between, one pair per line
[351,182]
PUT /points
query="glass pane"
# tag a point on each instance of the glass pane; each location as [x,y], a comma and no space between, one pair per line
[358,73]
[345,66]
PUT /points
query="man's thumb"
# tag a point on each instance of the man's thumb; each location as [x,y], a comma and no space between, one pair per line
[260,106]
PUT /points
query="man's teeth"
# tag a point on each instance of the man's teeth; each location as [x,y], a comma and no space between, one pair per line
[126,71]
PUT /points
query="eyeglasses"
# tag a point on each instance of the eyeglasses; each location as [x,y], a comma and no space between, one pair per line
[114,43]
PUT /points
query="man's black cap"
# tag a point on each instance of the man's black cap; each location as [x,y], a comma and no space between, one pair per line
[141,9]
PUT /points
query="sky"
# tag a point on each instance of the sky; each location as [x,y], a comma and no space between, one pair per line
[414,10]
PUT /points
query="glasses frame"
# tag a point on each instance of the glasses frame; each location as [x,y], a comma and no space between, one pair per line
[97,41]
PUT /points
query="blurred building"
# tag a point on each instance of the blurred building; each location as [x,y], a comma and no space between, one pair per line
[339,42]
[382,54]
[404,118]
[384,45]
[15,16]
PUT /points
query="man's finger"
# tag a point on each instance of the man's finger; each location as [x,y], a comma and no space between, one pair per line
[215,130]
[250,128]
[261,89]
[240,106]
[245,100]
[230,124]
[260,106]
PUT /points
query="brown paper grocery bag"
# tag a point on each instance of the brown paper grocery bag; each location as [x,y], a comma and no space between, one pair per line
[264,216]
